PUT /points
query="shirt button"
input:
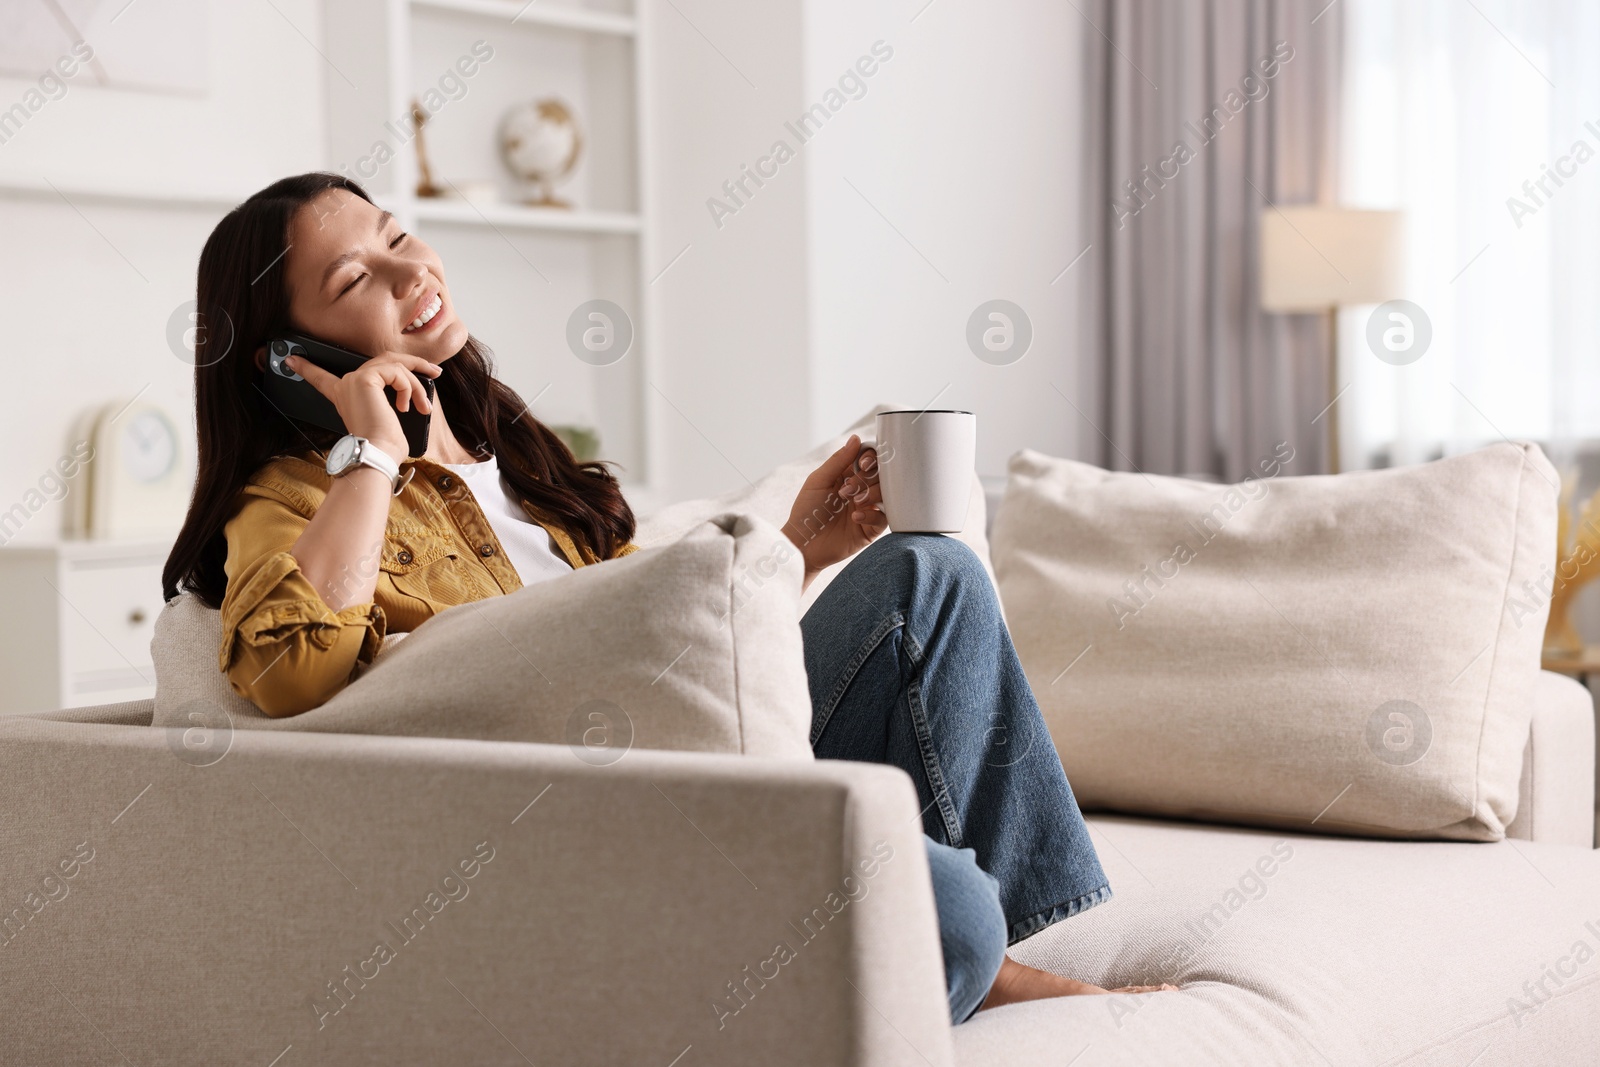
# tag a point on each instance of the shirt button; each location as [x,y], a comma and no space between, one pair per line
[446,482]
[404,556]
[485,551]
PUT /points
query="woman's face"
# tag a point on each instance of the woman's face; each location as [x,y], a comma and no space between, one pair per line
[357,280]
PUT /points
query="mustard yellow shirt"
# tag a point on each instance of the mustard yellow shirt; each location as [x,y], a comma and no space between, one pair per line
[283,648]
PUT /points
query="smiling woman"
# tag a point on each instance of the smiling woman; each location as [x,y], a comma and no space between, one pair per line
[283,540]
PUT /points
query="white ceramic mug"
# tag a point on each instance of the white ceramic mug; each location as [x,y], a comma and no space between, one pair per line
[926,461]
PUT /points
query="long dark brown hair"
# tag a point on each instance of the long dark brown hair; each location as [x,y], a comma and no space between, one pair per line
[242,302]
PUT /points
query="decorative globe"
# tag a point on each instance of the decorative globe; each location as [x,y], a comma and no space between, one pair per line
[540,143]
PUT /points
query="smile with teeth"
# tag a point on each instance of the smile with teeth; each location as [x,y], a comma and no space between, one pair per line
[427,314]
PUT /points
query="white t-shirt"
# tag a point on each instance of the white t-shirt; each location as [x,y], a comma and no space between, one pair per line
[528,546]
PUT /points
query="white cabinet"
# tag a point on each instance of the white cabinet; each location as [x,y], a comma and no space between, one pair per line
[76,618]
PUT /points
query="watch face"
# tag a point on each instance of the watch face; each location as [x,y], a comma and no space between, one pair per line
[341,455]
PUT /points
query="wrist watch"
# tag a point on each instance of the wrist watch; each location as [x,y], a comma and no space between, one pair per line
[350,452]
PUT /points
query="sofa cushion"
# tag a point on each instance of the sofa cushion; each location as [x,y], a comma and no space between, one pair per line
[1290,948]
[1356,652]
[772,496]
[693,645]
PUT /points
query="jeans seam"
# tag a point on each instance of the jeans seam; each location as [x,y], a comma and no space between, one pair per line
[919,717]
[930,757]
[849,673]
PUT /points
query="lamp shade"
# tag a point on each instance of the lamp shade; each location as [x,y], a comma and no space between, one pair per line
[1315,257]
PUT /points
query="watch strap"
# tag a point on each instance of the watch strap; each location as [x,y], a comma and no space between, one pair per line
[368,454]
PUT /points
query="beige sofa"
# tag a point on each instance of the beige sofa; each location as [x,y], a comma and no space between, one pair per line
[319,898]
[616,910]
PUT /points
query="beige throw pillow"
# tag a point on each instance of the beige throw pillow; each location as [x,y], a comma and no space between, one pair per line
[190,691]
[692,645]
[1352,653]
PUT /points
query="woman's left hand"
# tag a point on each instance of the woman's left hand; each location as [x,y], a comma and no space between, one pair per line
[839,509]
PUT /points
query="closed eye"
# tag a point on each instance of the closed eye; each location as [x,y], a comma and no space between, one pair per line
[392,244]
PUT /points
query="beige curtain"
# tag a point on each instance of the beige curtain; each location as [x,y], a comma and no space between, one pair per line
[1198,116]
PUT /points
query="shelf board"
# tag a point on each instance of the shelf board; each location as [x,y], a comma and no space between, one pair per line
[538,14]
[452,212]
[40,188]
[467,213]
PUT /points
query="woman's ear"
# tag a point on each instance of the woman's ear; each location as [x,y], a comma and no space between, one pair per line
[261,358]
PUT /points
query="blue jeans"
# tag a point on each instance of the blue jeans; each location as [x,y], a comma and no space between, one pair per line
[910,664]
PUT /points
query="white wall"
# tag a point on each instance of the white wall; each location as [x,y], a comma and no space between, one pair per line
[89,285]
[261,116]
[806,307]
[732,332]
[963,143]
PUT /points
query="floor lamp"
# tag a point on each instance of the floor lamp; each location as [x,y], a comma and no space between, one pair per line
[1318,259]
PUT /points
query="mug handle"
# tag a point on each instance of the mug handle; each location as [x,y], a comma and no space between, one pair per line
[869,439]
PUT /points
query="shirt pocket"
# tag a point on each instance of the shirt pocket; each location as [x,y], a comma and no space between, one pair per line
[428,574]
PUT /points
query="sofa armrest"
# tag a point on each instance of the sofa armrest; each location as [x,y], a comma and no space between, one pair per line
[409,900]
[1556,798]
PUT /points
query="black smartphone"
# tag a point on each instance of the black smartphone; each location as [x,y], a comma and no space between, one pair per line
[298,398]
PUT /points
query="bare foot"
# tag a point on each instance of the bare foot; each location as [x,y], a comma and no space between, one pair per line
[1017,982]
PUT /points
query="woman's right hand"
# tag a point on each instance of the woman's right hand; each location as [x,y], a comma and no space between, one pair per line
[360,399]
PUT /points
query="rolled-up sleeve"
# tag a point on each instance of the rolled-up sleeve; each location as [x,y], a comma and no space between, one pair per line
[283,648]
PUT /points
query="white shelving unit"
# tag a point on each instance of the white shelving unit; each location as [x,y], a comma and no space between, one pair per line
[517,273]
[516,217]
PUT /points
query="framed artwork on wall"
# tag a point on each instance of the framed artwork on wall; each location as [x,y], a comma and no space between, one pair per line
[151,45]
